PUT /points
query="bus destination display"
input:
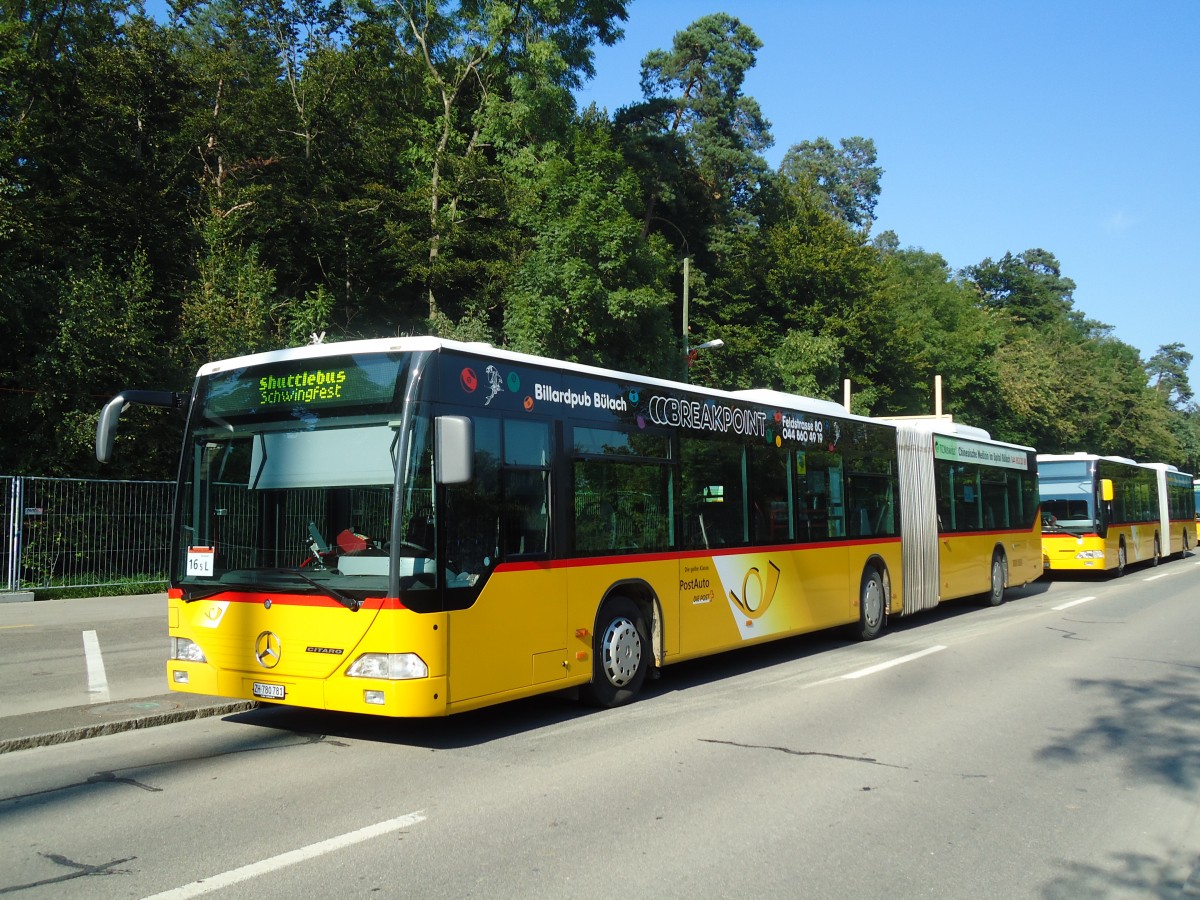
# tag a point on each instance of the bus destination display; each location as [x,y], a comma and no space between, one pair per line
[324,383]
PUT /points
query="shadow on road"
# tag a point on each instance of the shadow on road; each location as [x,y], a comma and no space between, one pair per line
[496,723]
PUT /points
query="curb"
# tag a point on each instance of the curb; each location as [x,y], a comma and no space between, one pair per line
[131,723]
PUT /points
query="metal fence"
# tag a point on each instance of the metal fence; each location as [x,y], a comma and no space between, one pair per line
[74,532]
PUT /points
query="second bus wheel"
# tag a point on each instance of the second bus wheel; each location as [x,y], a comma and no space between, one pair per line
[995,595]
[621,653]
[872,603]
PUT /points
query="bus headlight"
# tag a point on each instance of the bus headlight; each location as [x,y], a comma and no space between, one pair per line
[391,666]
[182,648]
[1090,554]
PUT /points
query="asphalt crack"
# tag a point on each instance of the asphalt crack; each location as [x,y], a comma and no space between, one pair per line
[788,750]
[79,870]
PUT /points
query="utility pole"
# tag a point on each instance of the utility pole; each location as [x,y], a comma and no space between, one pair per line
[686,349]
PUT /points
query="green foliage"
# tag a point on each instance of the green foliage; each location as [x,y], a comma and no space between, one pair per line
[1167,370]
[932,325]
[229,312]
[245,176]
[107,335]
[1029,288]
[591,288]
[695,137]
[132,585]
[848,179]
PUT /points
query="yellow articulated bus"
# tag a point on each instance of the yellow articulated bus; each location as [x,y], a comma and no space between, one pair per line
[416,527]
[1103,513]
[1176,508]
[974,523]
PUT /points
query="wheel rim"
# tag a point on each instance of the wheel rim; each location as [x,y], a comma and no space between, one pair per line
[997,578]
[622,648]
[872,602]
[1121,559]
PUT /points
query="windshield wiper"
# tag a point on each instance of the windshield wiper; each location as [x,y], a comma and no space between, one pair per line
[349,602]
[191,596]
[208,591]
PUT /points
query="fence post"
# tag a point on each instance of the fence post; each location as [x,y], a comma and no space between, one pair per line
[16,508]
[16,516]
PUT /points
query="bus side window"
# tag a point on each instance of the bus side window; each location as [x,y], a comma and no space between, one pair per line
[526,487]
[714,493]
[473,510]
[770,491]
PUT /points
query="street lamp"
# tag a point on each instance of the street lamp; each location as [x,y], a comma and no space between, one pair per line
[689,352]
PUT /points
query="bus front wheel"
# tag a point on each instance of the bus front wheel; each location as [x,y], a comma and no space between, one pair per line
[872,603]
[1157,551]
[621,655]
[1122,559]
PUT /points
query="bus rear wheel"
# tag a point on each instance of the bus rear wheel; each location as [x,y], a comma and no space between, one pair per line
[1157,552]
[621,654]
[995,595]
[872,604]
[1122,559]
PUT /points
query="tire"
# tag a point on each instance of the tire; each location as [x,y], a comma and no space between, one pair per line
[995,594]
[620,654]
[1157,552]
[872,604]
[1122,560]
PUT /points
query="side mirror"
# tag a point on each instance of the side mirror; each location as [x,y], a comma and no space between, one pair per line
[1106,490]
[454,446]
[106,427]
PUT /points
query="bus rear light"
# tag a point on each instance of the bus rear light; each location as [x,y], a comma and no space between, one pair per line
[182,648]
[390,666]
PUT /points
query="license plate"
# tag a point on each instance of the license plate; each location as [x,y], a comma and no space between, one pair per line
[268,691]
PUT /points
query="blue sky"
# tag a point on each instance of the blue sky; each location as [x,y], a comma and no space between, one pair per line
[1069,126]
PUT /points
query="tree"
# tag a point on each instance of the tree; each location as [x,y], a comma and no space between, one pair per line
[90,187]
[1029,287]
[793,303]
[848,179]
[106,338]
[591,288]
[229,312]
[1167,370]
[932,325]
[492,70]
[696,124]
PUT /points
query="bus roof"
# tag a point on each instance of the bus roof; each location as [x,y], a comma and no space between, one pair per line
[431,344]
[947,426]
[1069,457]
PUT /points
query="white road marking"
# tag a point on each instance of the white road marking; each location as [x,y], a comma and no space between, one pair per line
[1156,577]
[871,670]
[283,860]
[1072,603]
[97,680]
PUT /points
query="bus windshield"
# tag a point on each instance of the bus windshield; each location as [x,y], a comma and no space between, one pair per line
[289,482]
[1068,500]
